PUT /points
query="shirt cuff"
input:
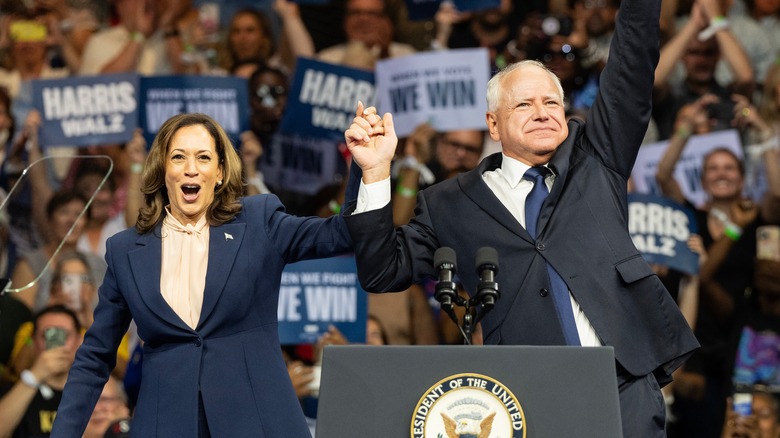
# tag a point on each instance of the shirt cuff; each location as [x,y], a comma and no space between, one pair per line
[373,196]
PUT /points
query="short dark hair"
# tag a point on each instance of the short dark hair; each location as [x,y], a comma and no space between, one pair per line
[63,197]
[57,308]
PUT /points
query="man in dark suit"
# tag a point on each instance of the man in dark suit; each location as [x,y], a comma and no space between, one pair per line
[581,247]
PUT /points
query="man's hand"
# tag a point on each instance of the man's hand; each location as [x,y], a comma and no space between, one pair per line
[51,363]
[371,141]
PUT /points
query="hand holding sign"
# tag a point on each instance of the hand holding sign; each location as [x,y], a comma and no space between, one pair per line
[372,142]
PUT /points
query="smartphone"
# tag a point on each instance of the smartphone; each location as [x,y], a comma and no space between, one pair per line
[743,403]
[768,242]
[54,337]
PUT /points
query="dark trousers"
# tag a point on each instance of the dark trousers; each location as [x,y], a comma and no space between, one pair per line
[642,409]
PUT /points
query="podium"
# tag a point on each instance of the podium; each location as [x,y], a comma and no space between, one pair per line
[398,391]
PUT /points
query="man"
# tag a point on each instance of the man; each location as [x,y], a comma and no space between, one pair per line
[582,246]
[29,407]
[366,23]
[700,59]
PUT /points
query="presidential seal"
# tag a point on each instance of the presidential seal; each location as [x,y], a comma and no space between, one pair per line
[468,406]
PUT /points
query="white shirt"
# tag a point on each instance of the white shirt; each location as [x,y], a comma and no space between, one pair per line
[511,189]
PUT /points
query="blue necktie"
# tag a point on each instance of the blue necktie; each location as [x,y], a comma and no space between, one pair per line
[560,292]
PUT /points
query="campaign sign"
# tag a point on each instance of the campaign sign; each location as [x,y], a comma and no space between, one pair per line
[224,98]
[687,172]
[323,98]
[660,229]
[86,110]
[316,294]
[444,89]
[300,164]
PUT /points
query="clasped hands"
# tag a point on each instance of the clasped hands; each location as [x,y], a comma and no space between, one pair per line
[371,140]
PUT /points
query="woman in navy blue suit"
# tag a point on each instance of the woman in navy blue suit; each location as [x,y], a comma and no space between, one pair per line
[200,276]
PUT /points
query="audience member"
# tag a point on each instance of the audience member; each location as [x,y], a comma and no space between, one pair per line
[110,408]
[249,38]
[488,28]
[73,288]
[29,60]
[763,421]
[727,224]
[28,408]
[369,32]
[699,58]
[146,39]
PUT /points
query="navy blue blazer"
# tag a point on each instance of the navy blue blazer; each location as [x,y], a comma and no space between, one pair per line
[582,228]
[232,357]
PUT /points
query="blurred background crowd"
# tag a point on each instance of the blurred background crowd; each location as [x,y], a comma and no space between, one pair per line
[719,70]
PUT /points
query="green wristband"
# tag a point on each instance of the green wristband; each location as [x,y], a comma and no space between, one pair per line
[406,192]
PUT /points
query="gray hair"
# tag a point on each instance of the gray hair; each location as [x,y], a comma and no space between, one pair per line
[494,84]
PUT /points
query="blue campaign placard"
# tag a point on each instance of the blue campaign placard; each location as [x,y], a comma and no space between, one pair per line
[224,98]
[87,110]
[323,98]
[315,294]
[300,164]
[660,229]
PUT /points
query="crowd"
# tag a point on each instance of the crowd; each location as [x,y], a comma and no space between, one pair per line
[719,69]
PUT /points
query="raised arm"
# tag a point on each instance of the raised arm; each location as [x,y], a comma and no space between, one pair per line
[688,119]
[295,34]
[618,119]
[371,141]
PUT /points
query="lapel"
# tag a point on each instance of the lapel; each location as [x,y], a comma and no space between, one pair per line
[224,243]
[560,163]
[145,262]
[475,188]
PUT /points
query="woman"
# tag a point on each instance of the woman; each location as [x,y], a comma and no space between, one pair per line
[200,277]
[249,38]
[30,276]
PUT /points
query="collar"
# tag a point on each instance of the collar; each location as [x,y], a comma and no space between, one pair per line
[513,170]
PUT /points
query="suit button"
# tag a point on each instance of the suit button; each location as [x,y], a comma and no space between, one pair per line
[540,246]
[198,342]
[543,292]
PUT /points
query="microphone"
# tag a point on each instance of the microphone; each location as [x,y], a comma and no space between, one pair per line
[444,262]
[487,268]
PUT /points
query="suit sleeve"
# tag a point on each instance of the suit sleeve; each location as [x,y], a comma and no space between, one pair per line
[618,120]
[299,238]
[388,259]
[95,358]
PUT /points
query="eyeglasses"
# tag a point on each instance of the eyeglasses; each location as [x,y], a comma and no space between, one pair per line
[268,94]
[469,149]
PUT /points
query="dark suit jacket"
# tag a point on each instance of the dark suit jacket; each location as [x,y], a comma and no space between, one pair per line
[582,229]
[233,357]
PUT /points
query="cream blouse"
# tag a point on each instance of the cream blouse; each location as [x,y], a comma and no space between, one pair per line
[185,257]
